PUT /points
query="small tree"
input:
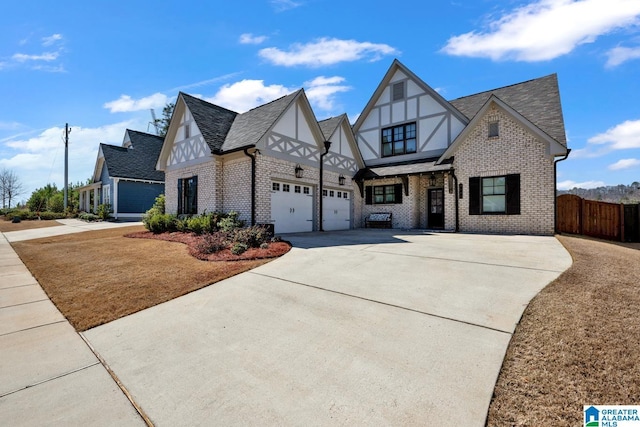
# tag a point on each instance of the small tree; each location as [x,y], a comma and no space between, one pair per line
[163,123]
[10,187]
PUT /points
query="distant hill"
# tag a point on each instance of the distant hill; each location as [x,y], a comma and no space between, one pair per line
[612,193]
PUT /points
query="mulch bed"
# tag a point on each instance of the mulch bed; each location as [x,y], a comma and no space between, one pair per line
[274,250]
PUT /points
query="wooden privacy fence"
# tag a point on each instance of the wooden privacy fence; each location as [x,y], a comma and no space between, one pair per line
[611,221]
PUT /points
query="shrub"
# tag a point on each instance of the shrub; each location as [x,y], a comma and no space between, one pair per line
[161,223]
[253,237]
[264,245]
[230,222]
[88,216]
[238,248]
[197,224]
[104,211]
[211,243]
[56,203]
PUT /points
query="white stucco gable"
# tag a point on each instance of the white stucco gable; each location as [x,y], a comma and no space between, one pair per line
[403,99]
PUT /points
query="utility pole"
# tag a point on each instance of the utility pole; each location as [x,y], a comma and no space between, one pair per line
[66,165]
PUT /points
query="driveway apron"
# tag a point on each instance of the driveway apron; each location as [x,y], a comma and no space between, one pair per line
[363,327]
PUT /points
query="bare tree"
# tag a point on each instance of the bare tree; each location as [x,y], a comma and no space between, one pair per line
[10,187]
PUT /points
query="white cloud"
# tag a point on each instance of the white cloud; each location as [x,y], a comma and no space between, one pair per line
[624,164]
[326,51]
[545,29]
[247,94]
[248,38]
[46,56]
[282,5]
[321,90]
[618,55]
[620,137]
[48,41]
[39,159]
[126,104]
[568,185]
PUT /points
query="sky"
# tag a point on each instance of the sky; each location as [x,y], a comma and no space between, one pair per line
[101,66]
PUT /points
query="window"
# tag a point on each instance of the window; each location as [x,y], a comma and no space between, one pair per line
[187,130]
[344,195]
[493,130]
[285,188]
[339,195]
[398,91]
[296,189]
[324,193]
[305,190]
[383,194]
[399,140]
[331,193]
[188,195]
[106,194]
[494,195]
[275,186]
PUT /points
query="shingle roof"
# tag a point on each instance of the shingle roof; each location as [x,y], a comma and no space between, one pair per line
[138,162]
[213,121]
[328,126]
[537,100]
[249,127]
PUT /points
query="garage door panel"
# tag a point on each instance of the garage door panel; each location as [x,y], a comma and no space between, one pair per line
[291,207]
[336,210]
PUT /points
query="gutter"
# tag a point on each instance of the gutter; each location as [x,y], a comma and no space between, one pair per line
[253,185]
[327,145]
[455,191]
[555,190]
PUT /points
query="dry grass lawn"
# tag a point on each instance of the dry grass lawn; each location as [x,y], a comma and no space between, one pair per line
[577,343]
[95,277]
[6,226]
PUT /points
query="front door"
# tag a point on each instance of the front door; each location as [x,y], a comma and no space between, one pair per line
[435,208]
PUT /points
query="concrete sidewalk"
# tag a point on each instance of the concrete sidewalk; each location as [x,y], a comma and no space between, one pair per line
[67,226]
[48,374]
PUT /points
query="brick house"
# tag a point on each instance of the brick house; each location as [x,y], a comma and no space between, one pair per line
[482,163]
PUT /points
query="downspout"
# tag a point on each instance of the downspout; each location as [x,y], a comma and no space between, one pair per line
[555,190]
[455,191]
[253,185]
[327,145]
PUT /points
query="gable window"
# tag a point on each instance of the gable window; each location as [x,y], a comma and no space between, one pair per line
[494,130]
[187,130]
[494,195]
[398,91]
[399,140]
[188,196]
[383,194]
[106,194]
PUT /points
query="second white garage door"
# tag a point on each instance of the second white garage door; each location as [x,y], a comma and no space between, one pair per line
[336,206]
[291,207]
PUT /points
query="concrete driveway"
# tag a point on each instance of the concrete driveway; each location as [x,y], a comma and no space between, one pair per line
[363,327]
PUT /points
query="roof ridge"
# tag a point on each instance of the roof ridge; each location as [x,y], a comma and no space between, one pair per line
[143,133]
[274,100]
[207,102]
[505,87]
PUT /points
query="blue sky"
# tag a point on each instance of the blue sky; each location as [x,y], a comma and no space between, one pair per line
[100,66]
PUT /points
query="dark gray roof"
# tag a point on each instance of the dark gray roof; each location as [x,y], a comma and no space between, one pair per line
[213,121]
[328,126]
[537,100]
[405,168]
[138,162]
[249,127]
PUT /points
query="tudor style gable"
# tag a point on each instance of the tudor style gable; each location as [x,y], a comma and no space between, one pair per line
[406,120]
[343,156]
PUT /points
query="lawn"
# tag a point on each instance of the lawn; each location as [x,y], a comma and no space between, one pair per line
[95,277]
[577,342]
[6,226]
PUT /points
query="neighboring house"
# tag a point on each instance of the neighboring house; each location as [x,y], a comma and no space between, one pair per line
[264,164]
[482,163]
[125,177]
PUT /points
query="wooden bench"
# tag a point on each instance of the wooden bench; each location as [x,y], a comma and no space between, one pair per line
[378,220]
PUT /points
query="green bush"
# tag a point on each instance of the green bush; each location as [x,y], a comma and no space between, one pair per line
[87,216]
[211,243]
[25,214]
[230,222]
[238,248]
[161,223]
[56,203]
[253,237]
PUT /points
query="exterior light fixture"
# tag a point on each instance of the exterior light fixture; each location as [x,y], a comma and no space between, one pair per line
[298,171]
[432,180]
[341,179]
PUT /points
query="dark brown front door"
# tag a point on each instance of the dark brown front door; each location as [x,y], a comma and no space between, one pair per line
[435,217]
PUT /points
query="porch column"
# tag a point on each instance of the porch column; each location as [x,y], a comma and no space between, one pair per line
[81,200]
[95,200]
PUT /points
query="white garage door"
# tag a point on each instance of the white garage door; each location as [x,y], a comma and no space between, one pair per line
[336,207]
[291,207]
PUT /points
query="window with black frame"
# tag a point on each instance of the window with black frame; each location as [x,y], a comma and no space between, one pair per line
[398,140]
[188,196]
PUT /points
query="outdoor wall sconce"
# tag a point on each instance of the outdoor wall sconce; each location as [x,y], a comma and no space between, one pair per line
[341,179]
[299,171]
[432,180]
